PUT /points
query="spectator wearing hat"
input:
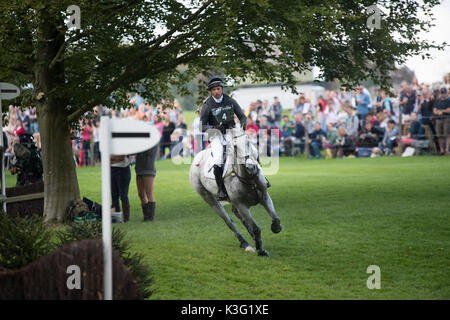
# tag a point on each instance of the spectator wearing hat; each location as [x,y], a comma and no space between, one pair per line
[442,112]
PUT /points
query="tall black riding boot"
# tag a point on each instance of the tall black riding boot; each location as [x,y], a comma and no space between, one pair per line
[126,212]
[151,210]
[145,211]
[222,194]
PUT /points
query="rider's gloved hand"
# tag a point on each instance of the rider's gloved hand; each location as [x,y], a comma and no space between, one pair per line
[221,127]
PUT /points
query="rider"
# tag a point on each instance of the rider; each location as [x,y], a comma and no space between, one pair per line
[218,113]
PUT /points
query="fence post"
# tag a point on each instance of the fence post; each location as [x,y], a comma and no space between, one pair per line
[400,130]
[307,138]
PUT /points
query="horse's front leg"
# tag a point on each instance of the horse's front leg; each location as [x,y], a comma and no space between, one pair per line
[244,222]
[220,210]
[245,213]
[268,205]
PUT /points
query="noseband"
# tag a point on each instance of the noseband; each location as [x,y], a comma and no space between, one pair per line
[251,181]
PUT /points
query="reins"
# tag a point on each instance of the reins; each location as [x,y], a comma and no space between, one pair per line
[250,182]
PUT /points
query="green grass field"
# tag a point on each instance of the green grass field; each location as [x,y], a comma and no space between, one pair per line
[339,217]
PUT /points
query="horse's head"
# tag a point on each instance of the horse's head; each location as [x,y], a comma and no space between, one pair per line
[246,153]
[251,166]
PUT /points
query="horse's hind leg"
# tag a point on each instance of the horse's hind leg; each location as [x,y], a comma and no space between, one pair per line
[217,206]
[268,205]
[245,213]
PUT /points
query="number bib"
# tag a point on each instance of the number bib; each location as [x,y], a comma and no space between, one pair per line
[223,114]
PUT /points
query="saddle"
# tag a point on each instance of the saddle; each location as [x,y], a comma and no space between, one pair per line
[208,169]
[229,157]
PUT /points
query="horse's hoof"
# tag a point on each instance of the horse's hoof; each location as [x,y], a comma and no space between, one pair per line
[249,249]
[263,253]
[276,226]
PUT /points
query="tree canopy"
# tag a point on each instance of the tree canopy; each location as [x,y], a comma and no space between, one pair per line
[138,45]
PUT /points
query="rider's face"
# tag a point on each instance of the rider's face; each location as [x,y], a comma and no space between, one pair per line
[217,92]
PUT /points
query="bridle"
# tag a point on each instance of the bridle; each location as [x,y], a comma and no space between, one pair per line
[252,180]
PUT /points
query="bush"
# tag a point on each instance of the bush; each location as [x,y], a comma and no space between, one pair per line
[23,240]
[133,261]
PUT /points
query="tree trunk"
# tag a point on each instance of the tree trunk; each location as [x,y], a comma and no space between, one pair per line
[60,179]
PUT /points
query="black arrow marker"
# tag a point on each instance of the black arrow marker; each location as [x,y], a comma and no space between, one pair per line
[130,134]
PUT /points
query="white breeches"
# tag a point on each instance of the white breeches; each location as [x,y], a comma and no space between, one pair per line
[217,144]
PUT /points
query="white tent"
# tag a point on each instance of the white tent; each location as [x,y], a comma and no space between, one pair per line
[246,95]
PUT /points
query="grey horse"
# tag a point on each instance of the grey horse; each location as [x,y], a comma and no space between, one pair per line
[246,187]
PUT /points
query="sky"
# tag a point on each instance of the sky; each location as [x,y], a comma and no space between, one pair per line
[430,71]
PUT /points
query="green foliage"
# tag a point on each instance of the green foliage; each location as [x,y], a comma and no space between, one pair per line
[133,260]
[150,46]
[23,240]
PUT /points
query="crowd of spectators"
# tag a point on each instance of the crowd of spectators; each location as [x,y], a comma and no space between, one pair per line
[166,116]
[21,121]
[342,123]
[346,124]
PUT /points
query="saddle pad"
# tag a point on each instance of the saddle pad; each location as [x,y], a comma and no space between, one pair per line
[208,168]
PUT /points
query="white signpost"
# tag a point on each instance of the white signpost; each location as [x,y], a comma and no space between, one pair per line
[118,137]
[7,91]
